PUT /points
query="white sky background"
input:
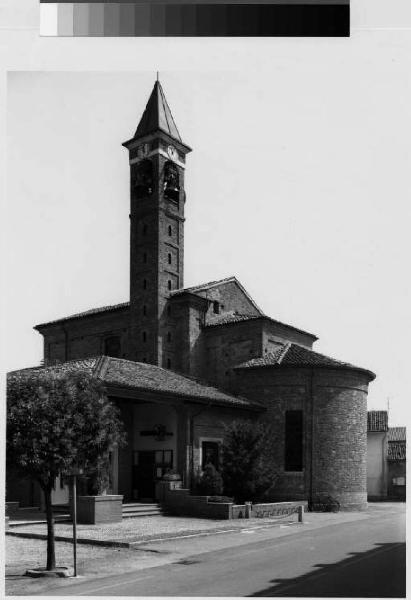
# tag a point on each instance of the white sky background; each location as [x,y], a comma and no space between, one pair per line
[298,182]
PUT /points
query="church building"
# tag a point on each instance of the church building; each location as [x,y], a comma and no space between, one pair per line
[182,362]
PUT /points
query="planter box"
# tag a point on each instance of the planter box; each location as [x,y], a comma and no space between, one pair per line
[12,507]
[92,510]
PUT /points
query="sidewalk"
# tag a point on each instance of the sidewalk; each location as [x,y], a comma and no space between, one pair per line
[155,541]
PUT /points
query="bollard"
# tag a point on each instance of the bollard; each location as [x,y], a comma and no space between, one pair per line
[248,510]
[301,514]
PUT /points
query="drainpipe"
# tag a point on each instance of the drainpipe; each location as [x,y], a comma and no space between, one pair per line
[311,392]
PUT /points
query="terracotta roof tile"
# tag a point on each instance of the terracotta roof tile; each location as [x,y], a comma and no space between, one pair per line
[397,451]
[295,355]
[397,434]
[86,313]
[143,376]
[377,420]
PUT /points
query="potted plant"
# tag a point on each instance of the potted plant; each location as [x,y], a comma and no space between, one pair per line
[99,506]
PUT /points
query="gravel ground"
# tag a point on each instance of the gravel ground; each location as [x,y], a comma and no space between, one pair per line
[23,554]
[148,527]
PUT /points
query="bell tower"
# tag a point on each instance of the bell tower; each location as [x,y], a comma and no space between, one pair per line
[157,159]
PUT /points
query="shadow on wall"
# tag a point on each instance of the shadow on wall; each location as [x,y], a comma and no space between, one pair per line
[376,573]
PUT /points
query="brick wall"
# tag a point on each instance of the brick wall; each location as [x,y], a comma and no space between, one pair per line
[338,434]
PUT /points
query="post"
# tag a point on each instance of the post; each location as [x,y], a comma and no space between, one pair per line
[74,526]
[301,514]
[248,510]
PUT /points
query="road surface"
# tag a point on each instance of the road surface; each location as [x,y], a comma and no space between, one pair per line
[362,558]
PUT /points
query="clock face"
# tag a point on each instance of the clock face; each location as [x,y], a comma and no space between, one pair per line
[172,152]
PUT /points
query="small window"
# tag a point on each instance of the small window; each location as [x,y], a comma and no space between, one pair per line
[169,258]
[169,284]
[170,231]
[144,336]
[293,440]
[168,337]
[209,454]
[112,346]
[216,307]
[144,284]
[145,257]
[168,363]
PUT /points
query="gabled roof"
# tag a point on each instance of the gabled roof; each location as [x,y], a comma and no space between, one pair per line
[397,451]
[294,355]
[377,420]
[204,287]
[130,375]
[230,317]
[234,317]
[157,116]
[86,313]
[397,434]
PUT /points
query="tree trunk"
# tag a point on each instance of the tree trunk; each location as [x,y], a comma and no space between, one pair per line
[51,553]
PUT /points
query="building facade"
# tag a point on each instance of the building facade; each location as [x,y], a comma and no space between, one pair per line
[183,362]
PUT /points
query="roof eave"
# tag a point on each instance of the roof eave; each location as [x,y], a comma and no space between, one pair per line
[371,375]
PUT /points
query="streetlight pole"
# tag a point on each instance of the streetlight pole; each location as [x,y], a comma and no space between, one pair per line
[76,471]
[75,524]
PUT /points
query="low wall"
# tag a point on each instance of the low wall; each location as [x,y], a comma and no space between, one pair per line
[180,502]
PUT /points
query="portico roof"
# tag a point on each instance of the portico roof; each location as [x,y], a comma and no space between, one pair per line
[121,374]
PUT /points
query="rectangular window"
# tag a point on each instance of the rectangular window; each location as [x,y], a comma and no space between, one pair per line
[293,440]
[209,454]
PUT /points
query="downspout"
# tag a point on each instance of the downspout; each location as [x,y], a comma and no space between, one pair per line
[311,392]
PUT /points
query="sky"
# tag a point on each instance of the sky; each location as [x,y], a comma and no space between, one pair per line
[297,184]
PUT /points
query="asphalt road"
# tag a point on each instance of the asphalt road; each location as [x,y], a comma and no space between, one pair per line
[364,558]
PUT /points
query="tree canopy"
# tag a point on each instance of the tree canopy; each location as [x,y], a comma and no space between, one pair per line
[56,421]
[247,462]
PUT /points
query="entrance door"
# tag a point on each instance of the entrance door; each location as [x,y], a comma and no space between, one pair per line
[143,474]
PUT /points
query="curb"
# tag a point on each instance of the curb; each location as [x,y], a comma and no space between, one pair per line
[153,538]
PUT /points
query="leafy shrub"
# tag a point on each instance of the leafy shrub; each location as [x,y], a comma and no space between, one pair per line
[324,504]
[210,482]
[247,472]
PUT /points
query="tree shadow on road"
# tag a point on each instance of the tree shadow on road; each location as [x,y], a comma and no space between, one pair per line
[376,573]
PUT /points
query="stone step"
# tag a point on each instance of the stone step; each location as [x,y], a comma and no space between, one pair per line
[138,506]
[147,513]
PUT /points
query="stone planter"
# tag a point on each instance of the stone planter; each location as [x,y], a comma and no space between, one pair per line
[92,510]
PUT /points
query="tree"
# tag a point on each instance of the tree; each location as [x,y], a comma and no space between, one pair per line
[247,460]
[57,420]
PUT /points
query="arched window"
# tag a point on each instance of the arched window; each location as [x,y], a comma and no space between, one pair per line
[142,179]
[170,231]
[169,284]
[216,307]
[169,258]
[171,181]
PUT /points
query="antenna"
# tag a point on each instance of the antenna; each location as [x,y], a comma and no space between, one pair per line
[157,76]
